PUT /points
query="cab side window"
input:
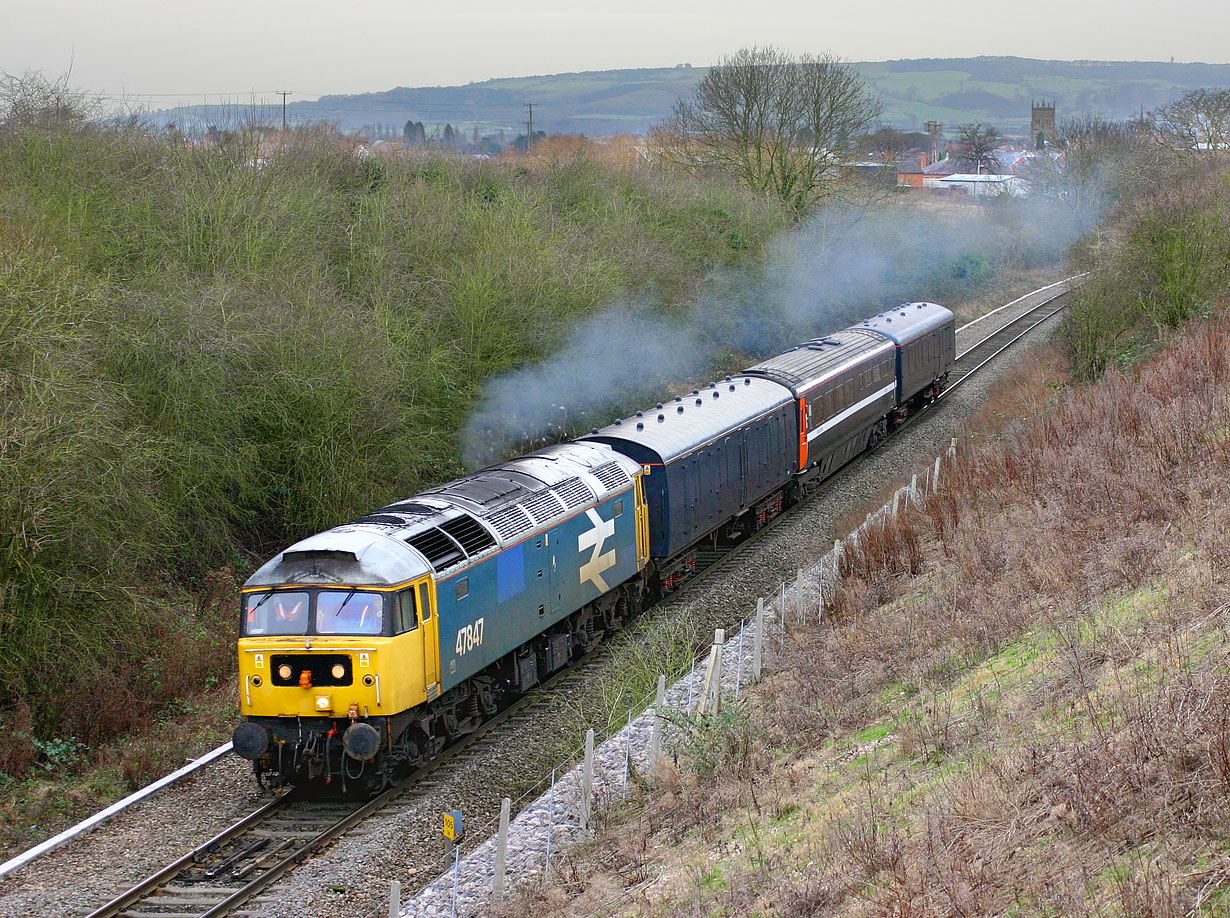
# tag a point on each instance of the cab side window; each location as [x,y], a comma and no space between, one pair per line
[404,613]
[424,604]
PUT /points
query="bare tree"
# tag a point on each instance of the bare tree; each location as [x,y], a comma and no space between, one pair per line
[34,101]
[1092,161]
[781,125]
[979,142]
[1196,122]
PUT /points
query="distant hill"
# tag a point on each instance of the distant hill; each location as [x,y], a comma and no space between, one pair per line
[994,90]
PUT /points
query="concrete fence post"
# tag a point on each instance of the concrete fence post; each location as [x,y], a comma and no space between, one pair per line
[395,899]
[798,596]
[914,499]
[935,477]
[739,658]
[758,641]
[896,503]
[711,692]
[655,736]
[501,852]
[587,780]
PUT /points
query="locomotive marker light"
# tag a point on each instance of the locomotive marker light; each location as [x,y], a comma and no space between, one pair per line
[323,702]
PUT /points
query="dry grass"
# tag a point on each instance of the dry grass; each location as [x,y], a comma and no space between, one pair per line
[1019,705]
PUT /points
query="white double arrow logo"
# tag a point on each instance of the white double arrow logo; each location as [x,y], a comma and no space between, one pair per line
[598,562]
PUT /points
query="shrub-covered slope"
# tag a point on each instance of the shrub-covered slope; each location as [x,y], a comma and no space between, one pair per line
[210,352]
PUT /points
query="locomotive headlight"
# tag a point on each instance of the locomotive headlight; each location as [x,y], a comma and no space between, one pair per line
[338,670]
[323,703]
[285,672]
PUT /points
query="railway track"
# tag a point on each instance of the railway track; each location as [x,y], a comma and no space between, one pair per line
[218,877]
[221,875]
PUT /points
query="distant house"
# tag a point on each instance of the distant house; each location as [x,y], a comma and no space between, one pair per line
[926,176]
[981,185]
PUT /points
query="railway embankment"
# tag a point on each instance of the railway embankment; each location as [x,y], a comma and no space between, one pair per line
[1018,703]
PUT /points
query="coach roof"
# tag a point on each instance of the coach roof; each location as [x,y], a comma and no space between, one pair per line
[675,428]
[803,367]
[908,321]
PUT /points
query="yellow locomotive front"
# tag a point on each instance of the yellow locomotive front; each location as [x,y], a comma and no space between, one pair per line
[333,674]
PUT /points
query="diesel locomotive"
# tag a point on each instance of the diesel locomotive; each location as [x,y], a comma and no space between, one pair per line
[365,649]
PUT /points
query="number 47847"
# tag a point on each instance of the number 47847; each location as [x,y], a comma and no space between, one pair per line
[469,637]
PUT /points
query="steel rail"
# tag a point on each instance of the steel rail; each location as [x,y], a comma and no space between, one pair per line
[999,331]
[999,309]
[154,880]
[970,372]
[103,815]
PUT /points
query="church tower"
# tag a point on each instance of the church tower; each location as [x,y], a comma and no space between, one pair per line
[1042,124]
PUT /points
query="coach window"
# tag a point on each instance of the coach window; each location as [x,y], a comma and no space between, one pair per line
[404,617]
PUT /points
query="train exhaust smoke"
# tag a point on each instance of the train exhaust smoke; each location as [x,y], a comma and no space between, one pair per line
[837,268]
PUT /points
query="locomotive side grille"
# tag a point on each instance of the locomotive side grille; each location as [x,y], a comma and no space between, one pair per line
[543,506]
[438,547]
[574,493]
[470,533]
[510,523]
[611,475]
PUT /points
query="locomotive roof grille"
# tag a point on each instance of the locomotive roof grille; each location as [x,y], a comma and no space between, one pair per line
[438,547]
[410,508]
[383,519]
[574,493]
[469,533]
[543,506]
[510,523]
[321,554]
[612,475]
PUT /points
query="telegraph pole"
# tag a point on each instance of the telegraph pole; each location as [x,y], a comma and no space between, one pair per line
[283,94]
[529,127]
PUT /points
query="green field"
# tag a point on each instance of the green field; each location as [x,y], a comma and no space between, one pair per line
[994,90]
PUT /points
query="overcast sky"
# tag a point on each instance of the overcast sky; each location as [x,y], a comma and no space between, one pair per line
[153,49]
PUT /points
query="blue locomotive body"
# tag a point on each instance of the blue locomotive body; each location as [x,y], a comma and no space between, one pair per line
[490,608]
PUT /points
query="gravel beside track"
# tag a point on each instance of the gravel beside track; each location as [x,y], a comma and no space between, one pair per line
[352,877]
